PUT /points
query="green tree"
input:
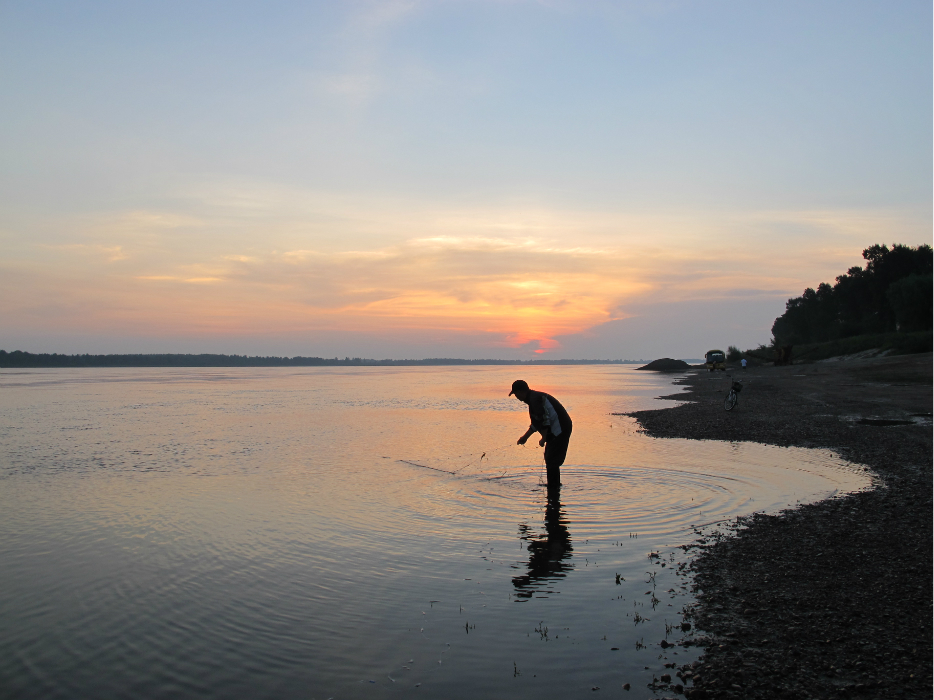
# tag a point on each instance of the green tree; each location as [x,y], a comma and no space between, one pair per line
[911,301]
[859,302]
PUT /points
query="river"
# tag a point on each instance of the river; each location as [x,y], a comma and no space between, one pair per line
[367,532]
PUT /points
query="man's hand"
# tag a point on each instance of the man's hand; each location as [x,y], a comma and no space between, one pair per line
[528,434]
[541,443]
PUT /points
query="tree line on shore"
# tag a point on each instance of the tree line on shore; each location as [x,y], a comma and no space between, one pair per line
[892,293]
[885,305]
[18,358]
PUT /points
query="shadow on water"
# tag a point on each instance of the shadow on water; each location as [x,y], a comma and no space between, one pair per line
[549,552]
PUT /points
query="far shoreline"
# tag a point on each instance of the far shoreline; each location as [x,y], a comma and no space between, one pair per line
[26,360]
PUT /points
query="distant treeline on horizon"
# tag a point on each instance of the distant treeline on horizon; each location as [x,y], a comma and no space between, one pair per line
[18,358]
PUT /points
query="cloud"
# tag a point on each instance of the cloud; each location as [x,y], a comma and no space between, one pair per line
[375,15]
[252,261]
[108,253]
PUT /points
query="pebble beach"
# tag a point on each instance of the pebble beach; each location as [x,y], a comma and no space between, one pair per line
[831,599]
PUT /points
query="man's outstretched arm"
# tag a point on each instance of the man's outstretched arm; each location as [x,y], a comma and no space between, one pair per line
[528,434]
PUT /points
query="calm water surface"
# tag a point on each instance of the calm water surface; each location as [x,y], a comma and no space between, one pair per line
[266,533]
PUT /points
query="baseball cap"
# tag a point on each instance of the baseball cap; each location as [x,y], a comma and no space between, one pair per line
[519,384]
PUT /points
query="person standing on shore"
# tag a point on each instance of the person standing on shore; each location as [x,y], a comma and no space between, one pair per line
[743,362]
[549,418]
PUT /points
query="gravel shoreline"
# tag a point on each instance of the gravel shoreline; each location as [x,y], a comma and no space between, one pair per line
[832,599]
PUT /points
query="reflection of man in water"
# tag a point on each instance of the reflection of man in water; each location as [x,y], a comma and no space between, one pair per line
[547,553]
[551,420]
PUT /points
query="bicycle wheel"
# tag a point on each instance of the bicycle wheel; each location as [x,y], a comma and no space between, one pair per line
[730,401]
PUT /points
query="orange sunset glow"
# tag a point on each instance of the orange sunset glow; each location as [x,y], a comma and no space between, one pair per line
[377,192]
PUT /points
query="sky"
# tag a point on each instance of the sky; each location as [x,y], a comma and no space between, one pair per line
[507,179]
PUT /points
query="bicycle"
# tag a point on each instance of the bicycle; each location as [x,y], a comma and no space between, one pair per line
[730,401]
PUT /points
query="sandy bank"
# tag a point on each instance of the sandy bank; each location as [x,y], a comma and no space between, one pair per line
[832,599]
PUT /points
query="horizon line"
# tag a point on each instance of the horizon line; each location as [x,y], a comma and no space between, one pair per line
[20,358]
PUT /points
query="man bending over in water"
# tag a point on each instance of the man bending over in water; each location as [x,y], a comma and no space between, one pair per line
[551,420]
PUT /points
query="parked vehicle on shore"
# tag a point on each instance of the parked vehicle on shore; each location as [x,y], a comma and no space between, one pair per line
[715,359]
